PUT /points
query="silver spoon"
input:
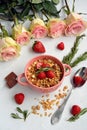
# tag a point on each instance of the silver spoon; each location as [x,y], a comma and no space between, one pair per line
[82,72]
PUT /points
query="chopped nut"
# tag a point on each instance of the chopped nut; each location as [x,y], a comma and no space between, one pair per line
[65,88]
[38,107]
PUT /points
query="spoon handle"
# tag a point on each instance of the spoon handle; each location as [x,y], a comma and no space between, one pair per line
[58,113]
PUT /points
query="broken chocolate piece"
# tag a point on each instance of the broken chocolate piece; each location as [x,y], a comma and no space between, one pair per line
[11,79]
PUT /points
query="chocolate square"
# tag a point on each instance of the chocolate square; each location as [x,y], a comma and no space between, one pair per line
[11,79]
[11,82]
[12,75]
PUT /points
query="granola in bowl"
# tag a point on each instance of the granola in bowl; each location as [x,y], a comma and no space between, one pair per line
[44,65]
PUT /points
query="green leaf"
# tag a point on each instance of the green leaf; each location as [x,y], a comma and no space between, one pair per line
[56,1]
[38,7]
[2,8]
[83,111]
[19,110]
[36,1]
[25,114]
[49,7]
[43,69]
[20,1]
[15,116]
[73,118]
[25,11]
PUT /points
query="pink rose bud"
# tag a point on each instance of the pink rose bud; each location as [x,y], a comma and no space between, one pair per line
[9,49]
[56,27]
[38,28]
[20,34]
[75,25]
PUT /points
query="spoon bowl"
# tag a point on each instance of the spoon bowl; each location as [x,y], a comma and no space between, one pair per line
[79,77]
[78,80]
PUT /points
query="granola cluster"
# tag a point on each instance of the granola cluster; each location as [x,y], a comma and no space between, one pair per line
[46,82]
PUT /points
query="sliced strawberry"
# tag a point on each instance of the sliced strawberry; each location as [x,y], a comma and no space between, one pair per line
[75,110]
[38,65]
[41,75]
[61,46]
[19,98]
[38,47]
[50,74]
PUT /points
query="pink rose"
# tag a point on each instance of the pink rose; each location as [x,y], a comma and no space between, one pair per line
[55,27]
[38,28]
[23,38]
[9,49]
[20,34]
[8,53]
[75,25]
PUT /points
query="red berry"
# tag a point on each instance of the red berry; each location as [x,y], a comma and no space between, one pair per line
[50,74]
[19,98]
[61,46]
[78,80]
[38,47]
[44,65]
[75,110]
[41,75]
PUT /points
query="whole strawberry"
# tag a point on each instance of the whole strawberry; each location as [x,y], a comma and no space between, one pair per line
[75,110]
[41,75]
[19,98]
[78,81]
[60,46]
[50,74]
[38,47]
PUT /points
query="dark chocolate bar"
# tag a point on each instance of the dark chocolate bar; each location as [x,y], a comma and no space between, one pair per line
[11,75]
[11,83]
[11,79]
